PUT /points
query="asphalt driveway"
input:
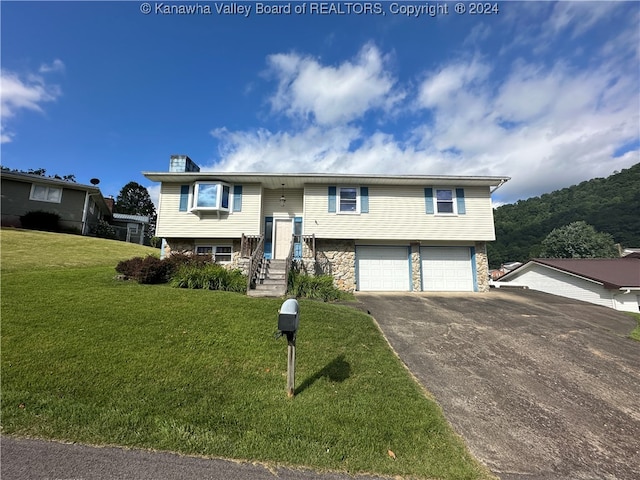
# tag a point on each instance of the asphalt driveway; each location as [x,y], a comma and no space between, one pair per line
[539,386]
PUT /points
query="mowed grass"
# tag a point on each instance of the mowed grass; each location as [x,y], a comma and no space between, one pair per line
[89,359]
[28,249]
[635,333]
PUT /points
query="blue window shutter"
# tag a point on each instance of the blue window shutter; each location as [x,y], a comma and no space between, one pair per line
[428,200]
[184,197]
[268,232]
[364,199]
[297,232]
[237,198]
[460,201]
[332,199]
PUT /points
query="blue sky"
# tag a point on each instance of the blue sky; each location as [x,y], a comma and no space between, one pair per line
[547,93]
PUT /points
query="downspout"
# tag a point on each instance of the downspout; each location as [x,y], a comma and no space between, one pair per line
[85,211]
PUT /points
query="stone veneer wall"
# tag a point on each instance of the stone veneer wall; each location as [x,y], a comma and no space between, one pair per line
[337,258]
[188,245]
[179,245]
[416,267]
[482,266]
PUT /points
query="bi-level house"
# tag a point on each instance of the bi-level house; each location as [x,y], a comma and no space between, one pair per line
[371,232]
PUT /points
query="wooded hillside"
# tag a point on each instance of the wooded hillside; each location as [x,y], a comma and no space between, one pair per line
[611,205]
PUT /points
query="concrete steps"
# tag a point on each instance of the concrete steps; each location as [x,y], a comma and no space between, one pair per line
[271,281]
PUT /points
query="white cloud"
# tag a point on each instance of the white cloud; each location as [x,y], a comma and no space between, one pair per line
[154,193]
[330,95]
[579,17]
[478,34]
[56,66]
[546,122]
[19,93]
[450,81]
[314,149]
[5,137]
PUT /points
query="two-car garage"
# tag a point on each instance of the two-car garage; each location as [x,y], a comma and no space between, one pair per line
[389,268]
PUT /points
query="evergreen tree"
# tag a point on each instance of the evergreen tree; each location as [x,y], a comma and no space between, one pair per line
[134,199]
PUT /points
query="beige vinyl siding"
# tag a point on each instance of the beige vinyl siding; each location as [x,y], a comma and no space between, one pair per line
[399,213]
[292,206]
[172,223]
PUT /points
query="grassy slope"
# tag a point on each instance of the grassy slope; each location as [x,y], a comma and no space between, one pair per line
[26,249]
[90,359]
[635,333]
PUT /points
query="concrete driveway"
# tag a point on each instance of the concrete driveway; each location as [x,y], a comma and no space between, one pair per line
[539,386]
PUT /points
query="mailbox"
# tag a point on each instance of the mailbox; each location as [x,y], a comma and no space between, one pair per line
[289,316]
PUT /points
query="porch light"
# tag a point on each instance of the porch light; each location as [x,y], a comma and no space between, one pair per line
[283,200]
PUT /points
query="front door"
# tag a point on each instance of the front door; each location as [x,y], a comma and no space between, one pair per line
[282,237]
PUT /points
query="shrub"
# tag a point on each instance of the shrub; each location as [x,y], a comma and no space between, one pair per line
[318,287]
[40,220]
[209,277]
[153,270]
[177,260]
[144,270]
[105,230]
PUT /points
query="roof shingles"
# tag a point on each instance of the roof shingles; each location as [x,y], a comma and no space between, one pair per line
[613,273]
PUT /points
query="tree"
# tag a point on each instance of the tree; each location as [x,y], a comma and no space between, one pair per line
[42,172]
[578,240]
[134,199]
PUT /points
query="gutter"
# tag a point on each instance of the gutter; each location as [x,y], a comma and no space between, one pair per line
[502,182]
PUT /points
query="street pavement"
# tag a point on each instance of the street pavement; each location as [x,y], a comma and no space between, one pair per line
[30,459]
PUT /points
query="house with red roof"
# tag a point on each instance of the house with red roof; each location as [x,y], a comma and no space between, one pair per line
[611,282]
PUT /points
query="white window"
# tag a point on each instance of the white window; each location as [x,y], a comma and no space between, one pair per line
[445,201]
[211,196]
[219,253]
[204,250]
[92,206]
[42,193]
[348,200]
[222,254]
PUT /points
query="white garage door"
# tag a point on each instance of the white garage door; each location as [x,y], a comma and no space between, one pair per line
[383,269]
[447,269]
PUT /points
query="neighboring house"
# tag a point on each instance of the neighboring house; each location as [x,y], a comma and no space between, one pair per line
[130,228]
[611,282]
[504,269]
[80,207]
[371,232]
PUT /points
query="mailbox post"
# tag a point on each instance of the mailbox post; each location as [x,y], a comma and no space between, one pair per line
[288,322]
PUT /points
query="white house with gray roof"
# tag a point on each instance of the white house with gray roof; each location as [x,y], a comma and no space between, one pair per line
[371,232]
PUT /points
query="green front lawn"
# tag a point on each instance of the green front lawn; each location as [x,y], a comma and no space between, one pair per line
[89,359]
[635,333]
